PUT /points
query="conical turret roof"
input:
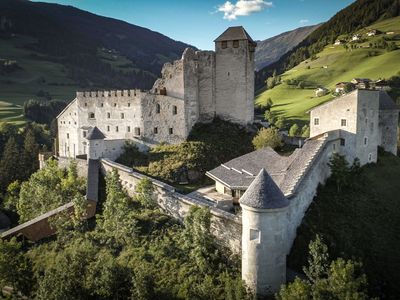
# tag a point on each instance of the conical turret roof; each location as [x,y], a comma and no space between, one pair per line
[263,193]
[95,134]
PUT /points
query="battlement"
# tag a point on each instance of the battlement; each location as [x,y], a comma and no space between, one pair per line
[109,93]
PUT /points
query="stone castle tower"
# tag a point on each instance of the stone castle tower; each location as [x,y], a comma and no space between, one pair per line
[264,226]
[234,75]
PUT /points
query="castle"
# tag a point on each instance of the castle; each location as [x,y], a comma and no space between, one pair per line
[197,88]
[273,191]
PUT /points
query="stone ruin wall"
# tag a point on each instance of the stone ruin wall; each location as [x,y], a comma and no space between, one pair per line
[226,227]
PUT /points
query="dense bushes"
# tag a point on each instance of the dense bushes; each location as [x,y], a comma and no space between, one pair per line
[41,111]
[208,146]
[360,220]
[131,253]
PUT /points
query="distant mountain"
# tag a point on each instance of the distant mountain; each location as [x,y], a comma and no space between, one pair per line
[94,50]
[270,50]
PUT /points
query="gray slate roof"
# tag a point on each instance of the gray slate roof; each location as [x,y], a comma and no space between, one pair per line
[263,193]
[286,171]
[234,33]
[92,188]
[95,134]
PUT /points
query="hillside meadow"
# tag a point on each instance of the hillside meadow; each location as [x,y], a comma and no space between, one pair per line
[334,64]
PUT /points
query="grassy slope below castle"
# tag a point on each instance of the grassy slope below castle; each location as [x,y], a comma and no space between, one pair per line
[362,222]
[342,65]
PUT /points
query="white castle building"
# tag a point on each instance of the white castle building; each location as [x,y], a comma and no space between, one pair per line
[274,191]
[198,87]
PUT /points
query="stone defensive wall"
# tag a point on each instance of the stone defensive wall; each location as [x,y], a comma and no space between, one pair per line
[226,227]
[110,93]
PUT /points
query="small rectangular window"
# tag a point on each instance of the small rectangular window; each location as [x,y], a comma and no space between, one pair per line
[158,108]
[255,235]
[122,115]
[129,105]
[108,115]
[102,104]
[316,121]
[84,134]
[116,128]
[343,122]
[85,104]
[342,142]
[155,130]
[128,128]
[108,128]
[115,104]
[137,131]
[171,131]
[224,44]
[174,109]
[365,141]
[67,135]
[235,44]
[370,157]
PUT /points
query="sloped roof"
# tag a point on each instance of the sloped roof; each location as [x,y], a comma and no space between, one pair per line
[234,33]
[92,186]
[263,193]
[95,134]
[239,172]
[286,171]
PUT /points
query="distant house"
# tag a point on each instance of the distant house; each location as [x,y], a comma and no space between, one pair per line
[319,92]
[361,83]
[340,87]
[339,42]
[372,32]
[381,85]
[356,37]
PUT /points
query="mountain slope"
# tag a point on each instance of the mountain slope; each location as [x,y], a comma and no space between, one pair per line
[358,15]
[332,65]
[57,49]
[270,50]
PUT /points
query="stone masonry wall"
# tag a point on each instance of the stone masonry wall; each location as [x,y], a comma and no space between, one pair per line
[388,127]
[226,227]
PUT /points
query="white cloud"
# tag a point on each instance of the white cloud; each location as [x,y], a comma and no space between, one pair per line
[242,8]
[304,21]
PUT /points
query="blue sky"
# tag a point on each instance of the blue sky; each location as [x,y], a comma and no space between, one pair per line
[199,22]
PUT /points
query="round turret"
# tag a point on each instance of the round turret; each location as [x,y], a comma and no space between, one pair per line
[96,143]
[264,224]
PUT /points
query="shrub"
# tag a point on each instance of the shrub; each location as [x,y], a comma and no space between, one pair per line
[294,130]
[267,137]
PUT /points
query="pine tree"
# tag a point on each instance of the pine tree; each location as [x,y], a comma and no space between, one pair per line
[29,156]
[9,164]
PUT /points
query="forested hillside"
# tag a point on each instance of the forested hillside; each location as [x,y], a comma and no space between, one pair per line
[48,51]
[360,14]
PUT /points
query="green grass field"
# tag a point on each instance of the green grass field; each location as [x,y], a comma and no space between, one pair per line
[35,73]
[333,64]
